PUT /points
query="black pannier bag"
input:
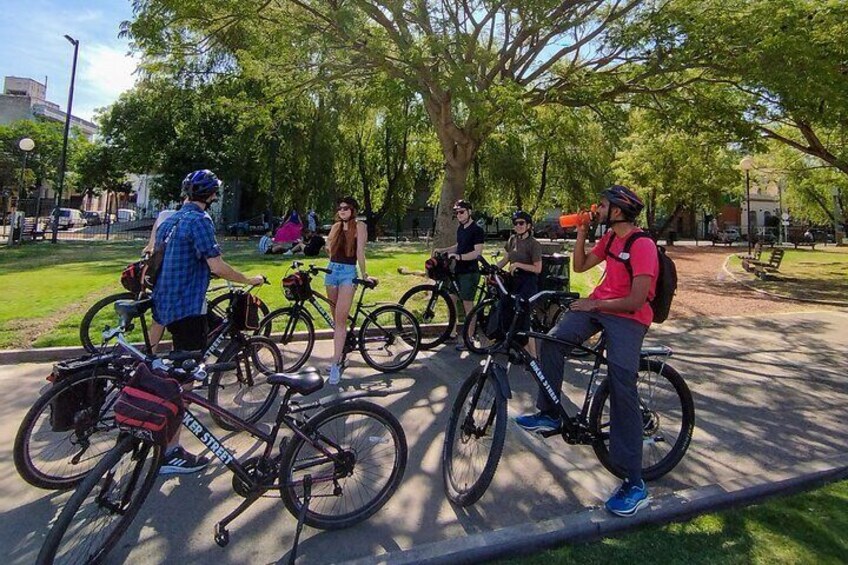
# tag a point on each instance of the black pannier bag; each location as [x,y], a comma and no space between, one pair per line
[83,401]
[245,312]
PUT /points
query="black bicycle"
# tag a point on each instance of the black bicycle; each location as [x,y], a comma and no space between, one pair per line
[388,339]
[102,314]
[71,425]
[433,303]
[477,427]
[338,468]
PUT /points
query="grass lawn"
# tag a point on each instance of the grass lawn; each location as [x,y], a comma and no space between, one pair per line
[46,289]
[805,528]
[805,273]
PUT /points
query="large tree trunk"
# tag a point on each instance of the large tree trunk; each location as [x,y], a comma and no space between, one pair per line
[453,188]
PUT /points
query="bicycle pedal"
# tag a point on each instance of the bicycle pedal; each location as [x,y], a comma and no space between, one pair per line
[549,433]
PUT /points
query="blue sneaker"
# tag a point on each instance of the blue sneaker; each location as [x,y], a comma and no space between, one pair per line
[538,422]
[628,499]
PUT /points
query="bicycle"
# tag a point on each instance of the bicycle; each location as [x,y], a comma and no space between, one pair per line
[101,314]
[477,427]
[544,315]
[433,303]
[318,471]
[388,339]
[70,426]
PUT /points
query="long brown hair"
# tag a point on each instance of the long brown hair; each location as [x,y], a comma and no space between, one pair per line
[340,243]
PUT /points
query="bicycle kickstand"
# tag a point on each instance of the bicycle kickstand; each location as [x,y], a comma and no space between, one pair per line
[307,496]
[222,534]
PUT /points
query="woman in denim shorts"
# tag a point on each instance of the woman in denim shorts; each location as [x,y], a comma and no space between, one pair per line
[346,244]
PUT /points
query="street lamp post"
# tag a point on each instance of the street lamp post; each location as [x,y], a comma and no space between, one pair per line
[63,160]
[25,145]
[746,164]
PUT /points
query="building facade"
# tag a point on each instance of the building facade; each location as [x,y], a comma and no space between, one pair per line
[26,99]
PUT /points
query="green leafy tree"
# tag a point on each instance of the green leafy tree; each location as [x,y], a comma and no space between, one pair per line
[472,64]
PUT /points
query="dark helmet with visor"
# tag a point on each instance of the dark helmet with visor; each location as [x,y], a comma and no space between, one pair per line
[625,199]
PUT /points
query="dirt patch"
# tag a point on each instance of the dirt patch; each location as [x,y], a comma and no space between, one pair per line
[26,331]
[704,289]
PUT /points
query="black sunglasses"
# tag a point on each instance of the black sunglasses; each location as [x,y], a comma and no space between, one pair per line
[344,207]
[519,223]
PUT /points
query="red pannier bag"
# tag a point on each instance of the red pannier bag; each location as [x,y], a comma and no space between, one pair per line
[150,407]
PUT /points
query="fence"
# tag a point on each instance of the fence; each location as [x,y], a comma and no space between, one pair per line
[36,220]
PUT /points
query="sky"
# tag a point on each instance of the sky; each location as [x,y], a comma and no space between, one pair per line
[32,45]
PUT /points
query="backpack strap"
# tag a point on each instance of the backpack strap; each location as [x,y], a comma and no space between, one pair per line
[628,244]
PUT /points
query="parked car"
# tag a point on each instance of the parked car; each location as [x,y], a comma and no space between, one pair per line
[254,225]
[549,228]
[92,218]
[727,235]
[68,218]
[126,215]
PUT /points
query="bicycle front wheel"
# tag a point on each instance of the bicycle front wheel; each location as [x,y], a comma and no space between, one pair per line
[101,315]
[431,306]
[668,420]
[475,326]
[245,391]
[104,505]
[68,430]
[474,439]
[293,332]
[366,464]
[389,338]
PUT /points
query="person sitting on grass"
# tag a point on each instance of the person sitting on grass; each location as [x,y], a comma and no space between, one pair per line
[310,245]
[286,236]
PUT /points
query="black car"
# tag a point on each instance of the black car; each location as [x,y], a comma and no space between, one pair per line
[92,218]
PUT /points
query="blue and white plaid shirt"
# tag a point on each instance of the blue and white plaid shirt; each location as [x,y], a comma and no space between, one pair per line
[180,289]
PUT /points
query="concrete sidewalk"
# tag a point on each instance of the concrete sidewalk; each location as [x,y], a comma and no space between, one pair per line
[771,401]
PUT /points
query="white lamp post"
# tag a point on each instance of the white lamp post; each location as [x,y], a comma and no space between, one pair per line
[746,164]
[25,145]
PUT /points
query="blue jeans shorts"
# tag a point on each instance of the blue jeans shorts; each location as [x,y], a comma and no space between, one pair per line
[341,275]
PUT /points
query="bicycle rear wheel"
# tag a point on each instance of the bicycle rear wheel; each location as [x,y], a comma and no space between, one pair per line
[245,391]
[429,305]
[371,452]
[102,314]
[68,430]
[474,439]
[668,419]
[104,505]
[389,338]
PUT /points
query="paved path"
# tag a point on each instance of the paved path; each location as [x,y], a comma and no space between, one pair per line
[770,393]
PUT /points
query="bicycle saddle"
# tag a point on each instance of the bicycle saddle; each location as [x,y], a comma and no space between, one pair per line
[303,382]
[367,283]
[129,310]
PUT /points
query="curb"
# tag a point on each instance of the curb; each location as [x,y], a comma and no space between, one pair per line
[749,286]
[592,524]
[53,354]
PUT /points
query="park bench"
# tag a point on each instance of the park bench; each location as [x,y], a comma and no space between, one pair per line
[32,229]
[764,269]
[755,255]
[811,243]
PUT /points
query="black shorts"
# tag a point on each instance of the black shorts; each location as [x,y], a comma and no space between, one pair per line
[189,334]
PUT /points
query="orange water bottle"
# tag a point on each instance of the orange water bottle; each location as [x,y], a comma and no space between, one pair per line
[582,218]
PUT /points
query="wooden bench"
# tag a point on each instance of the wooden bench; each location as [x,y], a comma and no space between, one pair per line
[764,269]
[804,243]
[756,255]
[32,230]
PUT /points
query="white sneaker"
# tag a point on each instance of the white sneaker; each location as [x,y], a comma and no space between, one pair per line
[335,375]
[289,252]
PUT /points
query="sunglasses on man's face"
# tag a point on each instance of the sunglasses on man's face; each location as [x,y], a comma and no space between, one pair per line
[343,208]
[519,223]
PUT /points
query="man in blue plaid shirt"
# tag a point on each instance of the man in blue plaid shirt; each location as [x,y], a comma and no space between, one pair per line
[179,297]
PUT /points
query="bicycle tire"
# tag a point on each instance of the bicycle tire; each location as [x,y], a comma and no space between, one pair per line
[655,425]
[393,326]
[430,296]
[37,423]
[248,394]
[459,489]
[479,315]
[97,308]
[363,437]
[99,484]
[294,350]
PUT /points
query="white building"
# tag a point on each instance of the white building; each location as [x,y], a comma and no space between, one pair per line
[25,98]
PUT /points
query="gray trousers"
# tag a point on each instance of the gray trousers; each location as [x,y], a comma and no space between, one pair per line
[624,342]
